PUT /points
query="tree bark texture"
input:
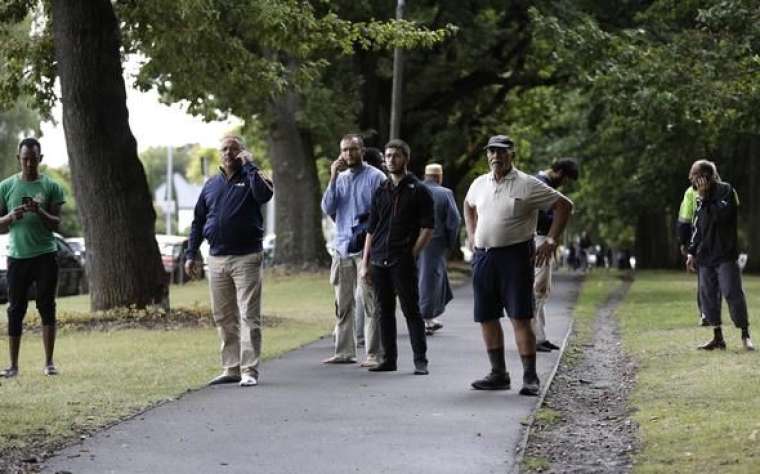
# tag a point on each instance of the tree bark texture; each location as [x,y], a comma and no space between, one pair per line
[297,195]
[109,183]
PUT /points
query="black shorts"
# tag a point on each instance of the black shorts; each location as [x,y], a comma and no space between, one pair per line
[502,279]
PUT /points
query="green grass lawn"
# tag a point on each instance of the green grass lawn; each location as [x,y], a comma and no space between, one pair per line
[109,375]
[698,412]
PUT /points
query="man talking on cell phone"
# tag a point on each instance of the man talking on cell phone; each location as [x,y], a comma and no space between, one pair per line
[228,215]
[30,204]
[347,200]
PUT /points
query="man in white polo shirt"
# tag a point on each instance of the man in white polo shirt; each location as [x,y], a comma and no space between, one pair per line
[501,212]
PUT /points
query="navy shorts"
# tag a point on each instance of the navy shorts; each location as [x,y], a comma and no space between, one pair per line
[502,278]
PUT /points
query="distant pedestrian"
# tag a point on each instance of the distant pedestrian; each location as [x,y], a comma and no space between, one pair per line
[228,215]
[501,213]
[400,225]
[560,173]
[30,204]
[686,215]
[434,287]
[348,198]
[713,252]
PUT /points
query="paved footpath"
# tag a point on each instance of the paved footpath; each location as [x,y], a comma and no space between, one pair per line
[306,417]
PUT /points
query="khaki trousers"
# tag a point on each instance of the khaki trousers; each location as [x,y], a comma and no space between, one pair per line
[344,276]
[235,286]
[542,285]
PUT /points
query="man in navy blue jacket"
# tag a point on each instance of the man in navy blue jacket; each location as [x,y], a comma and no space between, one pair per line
[228,215]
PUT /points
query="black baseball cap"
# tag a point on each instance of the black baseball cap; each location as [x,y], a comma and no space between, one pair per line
[500,141]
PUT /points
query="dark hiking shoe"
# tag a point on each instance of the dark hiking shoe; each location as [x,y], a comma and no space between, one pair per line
[421,368]
[385,366]
[713,344]
[492,381]
[531,387]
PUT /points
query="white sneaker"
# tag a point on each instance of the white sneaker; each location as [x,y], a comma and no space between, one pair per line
[248,380]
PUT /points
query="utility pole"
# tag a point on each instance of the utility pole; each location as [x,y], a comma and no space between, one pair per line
[169,206]
[398,78]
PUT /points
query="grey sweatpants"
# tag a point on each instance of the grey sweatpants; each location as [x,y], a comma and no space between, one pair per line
[724,278]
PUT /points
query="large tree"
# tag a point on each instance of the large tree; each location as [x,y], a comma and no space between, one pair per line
[652,86]
[109,181]
[268,60]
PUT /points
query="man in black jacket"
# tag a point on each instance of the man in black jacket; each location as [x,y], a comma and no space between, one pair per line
[401,223]
[713,248]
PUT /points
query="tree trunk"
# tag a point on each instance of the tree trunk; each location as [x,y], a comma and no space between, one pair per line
[114,202]
[655,245]
[298,216]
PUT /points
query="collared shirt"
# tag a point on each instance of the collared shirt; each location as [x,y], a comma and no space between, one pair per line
[348,199]
[508,209]
[398,214]
[228,213]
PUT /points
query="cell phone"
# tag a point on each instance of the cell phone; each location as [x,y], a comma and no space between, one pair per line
[26,200]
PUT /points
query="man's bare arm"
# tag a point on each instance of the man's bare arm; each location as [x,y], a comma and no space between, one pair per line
[470,223]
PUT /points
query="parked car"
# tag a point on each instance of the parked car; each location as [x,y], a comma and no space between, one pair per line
[172,249]
[77,245]
[72,279]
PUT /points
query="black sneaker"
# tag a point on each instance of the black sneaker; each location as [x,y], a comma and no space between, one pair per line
[385,366]
[421,368]
[542,348]
[492,381]
[704,322]
[713,344]
[530,387]
[550,345]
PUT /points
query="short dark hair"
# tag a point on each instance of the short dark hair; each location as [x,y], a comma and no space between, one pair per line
[353,136]
[29,142]
[568,166]
[374,157]
[401,145]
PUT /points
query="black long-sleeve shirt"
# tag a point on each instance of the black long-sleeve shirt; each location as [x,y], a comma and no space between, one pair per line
[396,217]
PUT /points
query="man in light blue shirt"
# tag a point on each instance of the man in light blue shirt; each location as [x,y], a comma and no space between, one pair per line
[347,201]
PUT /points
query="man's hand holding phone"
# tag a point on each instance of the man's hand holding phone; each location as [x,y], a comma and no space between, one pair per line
[337,166]
[245,156]
[29,204]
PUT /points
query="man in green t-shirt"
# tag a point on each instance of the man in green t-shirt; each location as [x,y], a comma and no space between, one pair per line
[30,205]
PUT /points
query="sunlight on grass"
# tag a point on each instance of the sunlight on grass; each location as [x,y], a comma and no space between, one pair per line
[698,411]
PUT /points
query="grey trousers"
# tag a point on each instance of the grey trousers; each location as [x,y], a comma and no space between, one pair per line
[725,279]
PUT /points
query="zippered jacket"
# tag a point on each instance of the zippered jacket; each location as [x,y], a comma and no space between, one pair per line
[228,213]
[714,238]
